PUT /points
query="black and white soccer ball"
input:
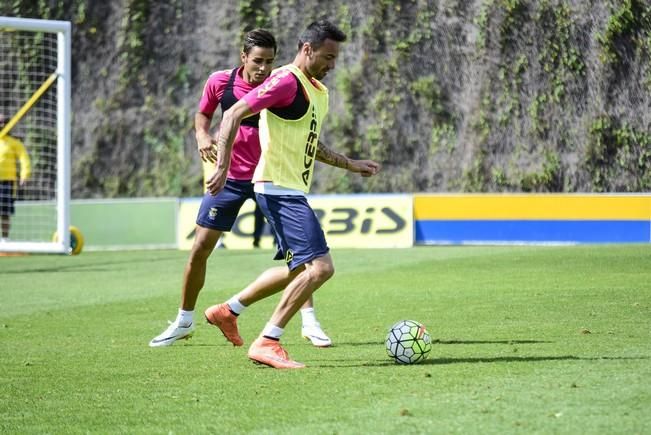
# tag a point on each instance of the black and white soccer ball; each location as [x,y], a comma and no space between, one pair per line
[408,342]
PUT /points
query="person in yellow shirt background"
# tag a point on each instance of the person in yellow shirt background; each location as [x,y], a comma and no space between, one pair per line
[12,153]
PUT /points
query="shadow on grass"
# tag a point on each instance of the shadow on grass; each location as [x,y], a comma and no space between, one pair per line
[103,266]
[489,341]
[367,343]
[478,360]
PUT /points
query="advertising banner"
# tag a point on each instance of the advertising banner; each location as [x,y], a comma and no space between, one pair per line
[349,221]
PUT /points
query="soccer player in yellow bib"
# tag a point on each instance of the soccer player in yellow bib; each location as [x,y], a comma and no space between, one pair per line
[12,151]
[292,104]
[217,213]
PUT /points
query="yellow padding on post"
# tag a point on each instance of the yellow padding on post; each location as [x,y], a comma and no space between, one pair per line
[28,105]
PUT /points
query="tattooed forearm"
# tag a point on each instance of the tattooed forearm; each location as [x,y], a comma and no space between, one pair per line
[330,157]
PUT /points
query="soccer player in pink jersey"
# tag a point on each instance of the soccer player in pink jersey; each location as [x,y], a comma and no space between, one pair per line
[218,213]
[292,104]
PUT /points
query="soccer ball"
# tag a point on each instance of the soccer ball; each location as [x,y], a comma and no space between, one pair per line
[408,342]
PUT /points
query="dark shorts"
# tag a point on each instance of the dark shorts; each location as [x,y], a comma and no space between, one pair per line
[7,198]
[297,229]
[220,211]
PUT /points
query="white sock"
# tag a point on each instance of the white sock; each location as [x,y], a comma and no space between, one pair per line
[308,316]
[235,305]
[184,318]
[272,331]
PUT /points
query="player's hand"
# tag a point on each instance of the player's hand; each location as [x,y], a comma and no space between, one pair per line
[217,181]
[365,168]
[207,147]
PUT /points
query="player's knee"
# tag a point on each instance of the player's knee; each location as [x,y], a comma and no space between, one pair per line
[323,272]
[198,257]
[202,249]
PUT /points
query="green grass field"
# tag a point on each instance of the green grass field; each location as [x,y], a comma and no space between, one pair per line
[527,340]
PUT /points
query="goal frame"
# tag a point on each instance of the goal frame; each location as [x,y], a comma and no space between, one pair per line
[63,30]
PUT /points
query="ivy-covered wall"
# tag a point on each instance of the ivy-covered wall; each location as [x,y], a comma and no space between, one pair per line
[450,95]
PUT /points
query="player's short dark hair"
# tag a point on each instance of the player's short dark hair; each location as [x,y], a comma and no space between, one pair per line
[259,38]
[318,31]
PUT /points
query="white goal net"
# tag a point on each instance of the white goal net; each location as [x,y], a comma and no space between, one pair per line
[34,135]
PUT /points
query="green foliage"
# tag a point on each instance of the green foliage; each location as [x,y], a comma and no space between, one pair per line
[626,40]
[156,163]
[500,179]
[253,13]
[561,64]
[515,13]
[540,72]
[131,46]
[476,177]
[628,27]
[482,23]
[444,137]
[536,111]
[617,149]
[559,58]
[167,156]
[549,179]
[153,163]
[343,131]
[427,90]
[423,86]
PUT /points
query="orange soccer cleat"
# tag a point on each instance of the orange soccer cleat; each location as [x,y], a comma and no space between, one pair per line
[270,352]
[221,317]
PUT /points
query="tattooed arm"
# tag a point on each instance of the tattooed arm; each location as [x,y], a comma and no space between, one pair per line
[328,156]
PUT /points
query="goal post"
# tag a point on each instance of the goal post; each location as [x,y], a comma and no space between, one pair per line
[35,100]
